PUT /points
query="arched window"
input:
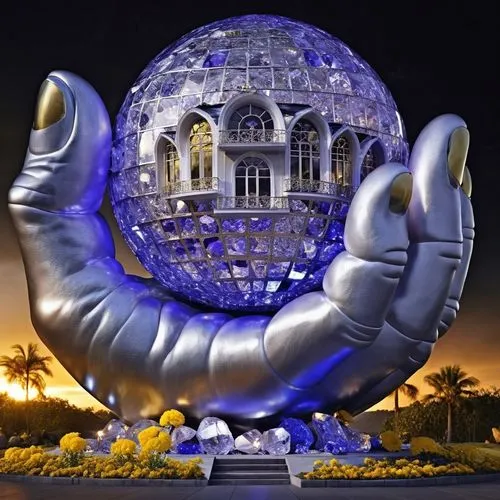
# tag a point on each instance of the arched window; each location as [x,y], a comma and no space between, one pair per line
[304,151]
[341,162]
[368,164]
[253,177]
[200,150]
[251,117]
[171,162]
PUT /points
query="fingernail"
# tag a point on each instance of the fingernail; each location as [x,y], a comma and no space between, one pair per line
[50,107]
[457,154]
[54,116]
[467,183]
[401,189]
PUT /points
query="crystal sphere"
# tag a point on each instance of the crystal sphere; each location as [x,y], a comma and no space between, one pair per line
[236,154]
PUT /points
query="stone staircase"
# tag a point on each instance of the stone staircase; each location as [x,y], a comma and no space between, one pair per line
[247,470]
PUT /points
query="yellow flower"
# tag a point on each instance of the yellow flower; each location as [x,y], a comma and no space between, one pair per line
[123,447]
[73,443]
[172,417]
[67,438]
[390,441]
[159,444]
[149,433]
[424,444]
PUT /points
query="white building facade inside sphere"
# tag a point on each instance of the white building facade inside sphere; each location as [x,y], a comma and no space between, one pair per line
[257,154]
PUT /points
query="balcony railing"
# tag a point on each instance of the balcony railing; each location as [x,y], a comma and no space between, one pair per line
[297,185]
[251,136]
[193,185]
[252,202]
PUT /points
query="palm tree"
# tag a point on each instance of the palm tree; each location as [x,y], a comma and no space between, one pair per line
[410,391]
[451,384]
[27,369]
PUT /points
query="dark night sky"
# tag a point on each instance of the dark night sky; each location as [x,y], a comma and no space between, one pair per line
[435,57]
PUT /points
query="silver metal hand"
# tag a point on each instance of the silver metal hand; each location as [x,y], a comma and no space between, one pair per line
[139,351]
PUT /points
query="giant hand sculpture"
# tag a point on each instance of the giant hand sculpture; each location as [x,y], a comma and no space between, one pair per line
[385,300]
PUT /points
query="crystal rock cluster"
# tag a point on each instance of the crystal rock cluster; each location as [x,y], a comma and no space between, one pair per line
[213,436]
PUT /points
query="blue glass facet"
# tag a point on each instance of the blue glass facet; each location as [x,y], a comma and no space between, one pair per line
[301,436]
[357,442]
[330,435]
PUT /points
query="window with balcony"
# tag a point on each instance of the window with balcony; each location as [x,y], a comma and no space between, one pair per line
[200,150]
[304,152]
[341,172]
[250,123]
[252,177]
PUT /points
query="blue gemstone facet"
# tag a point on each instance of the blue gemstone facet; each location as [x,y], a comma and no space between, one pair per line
[330,435]
[301,436]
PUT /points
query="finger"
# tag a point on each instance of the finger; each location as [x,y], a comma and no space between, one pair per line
[393,349]
[48,180]
[309,336]
[129,344]
[416,355]
[437,163]
[451,307]
[433,255]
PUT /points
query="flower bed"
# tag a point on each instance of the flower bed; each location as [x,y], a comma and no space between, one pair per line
[400,468]
[429,460]
[150,463]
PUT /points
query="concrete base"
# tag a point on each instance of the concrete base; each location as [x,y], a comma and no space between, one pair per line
[405,483]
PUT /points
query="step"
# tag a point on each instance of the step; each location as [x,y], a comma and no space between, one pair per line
[238,460]
[249,475]
[256,466]
[238,482]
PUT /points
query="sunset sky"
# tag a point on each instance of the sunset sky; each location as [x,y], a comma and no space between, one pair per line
[435,57]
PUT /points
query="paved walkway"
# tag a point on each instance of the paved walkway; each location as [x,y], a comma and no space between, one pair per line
[18,491]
